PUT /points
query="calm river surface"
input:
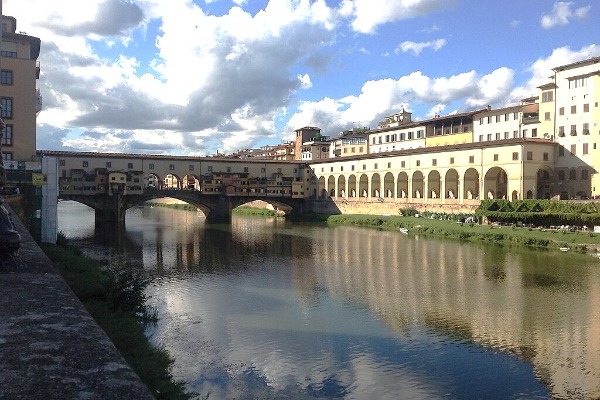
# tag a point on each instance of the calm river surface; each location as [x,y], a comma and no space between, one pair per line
[263,308]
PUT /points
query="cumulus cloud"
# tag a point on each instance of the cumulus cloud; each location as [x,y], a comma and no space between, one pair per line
[562,13]
[382,97]
[417,48]
[369,14]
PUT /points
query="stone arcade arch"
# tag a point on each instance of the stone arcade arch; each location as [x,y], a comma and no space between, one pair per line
[376,186]
[321,189]
[417,185]
[433,185]
[352,189]
[495,183]
[331,186]
[388,186]
[451,184]
[191,182]
[402,186]
[471,184]
[363,186]
[172,181]
[342,190]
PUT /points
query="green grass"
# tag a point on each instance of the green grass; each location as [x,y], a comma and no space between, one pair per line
[508,235]
[254,211]
[115,299]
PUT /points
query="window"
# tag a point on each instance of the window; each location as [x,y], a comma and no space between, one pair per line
[130,165]
[387,138]
[389,165]
[108,164]
[497,118]
[572,175]
[515,116]
[434,162]
[561,151]
[228,169]
[455,129]
[534,132]
[515,156]
[481,121]
[85,164]
[524,132]
[352,168]
[364,167]
[497,135]
[585,149]
[489,119]
[353,150]
[586,107]
[471,159]
[481,138]
[547,96]
[545,157]
[530,155]
[495,157]
[7,108]
[61,163]
[376,166]
[451,160]
[171,167]
[331,169]
[150,166]
[506,117]
[561,131]
[489,136]
[210,168]
[191,167]
[584,175]
[245,169]
[418,163]
[573,130]
[506,135]
[515,134]
[573,149]
[7,156]
[6,77]
[561,175]
[410,135]
[263,170]
[573,109]
[561,111]
[586,129]
[547,116]
[342,168]
[7,135]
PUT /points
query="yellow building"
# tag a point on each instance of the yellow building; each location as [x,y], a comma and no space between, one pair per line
[20,99]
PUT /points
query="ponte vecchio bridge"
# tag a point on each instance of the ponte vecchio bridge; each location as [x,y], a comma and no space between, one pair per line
[111,183]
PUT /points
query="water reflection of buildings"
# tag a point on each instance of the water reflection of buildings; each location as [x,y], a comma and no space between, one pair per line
[518,302]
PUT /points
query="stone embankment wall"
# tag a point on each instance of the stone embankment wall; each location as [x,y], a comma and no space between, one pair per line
[50,346]
[330,206]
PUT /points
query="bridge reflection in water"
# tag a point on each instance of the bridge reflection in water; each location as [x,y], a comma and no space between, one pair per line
[539,306]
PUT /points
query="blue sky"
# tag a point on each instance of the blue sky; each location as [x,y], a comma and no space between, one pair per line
[189,77]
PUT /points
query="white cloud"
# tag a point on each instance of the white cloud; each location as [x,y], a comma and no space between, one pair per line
[369,14]
[417,48]
[562,13]
[541,69]
[305,81]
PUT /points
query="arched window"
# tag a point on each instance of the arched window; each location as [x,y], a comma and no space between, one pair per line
[572,175]
[561,175]
[584,174]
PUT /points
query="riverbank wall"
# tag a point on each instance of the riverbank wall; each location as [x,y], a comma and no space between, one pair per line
[385,207]
[50,346]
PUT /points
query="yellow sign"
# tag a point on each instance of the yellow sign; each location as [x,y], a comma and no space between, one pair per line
[38,179]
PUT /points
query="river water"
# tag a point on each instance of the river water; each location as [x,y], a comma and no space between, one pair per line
[264,308]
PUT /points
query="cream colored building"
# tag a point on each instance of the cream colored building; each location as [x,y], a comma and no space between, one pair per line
[349,145]
[574,93]
[20,99]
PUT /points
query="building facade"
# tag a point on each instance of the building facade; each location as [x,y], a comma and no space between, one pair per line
[19,98]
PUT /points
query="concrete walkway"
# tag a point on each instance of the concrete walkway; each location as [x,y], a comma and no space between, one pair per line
[50,347]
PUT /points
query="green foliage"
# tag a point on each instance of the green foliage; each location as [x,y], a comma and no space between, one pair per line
[540,212]
[115,298]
